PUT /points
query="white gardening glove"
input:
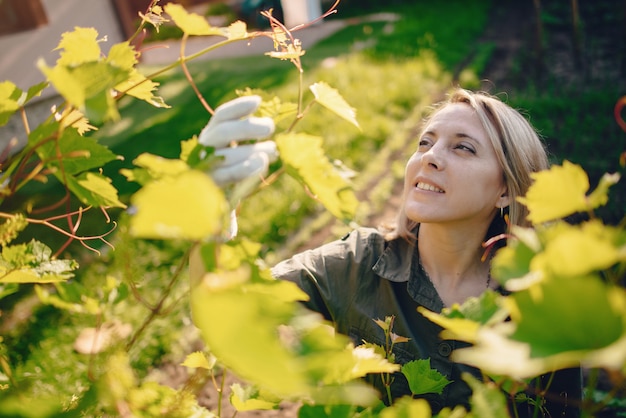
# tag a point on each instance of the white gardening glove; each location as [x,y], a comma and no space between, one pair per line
[231,124]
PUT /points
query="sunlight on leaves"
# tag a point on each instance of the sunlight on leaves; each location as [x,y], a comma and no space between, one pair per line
[333,101]
[407,407]
[142,88]
[185,206]
[459,328]
[33,263]
[74,118]
[237,30]
[94,189]
[9,94]
[536,341]
[78,47]
[249,399]
[305,160]
[578,250]
[190,23]
[561,191]
[199,360]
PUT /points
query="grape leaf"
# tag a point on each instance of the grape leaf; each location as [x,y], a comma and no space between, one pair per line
[33,91]
[78,47]
[185,206]
[578,250]
[190,23]
[556,193]
[93,189]
[74,118]
[122,55]
[305,160]
[9,95]
[407,407]
[594,335]
[77,153]
[237,30]
[142,88]
[88,87]
[422,378]
[198,359]
[487,399]
[333,101]
[248,399]
[33,263]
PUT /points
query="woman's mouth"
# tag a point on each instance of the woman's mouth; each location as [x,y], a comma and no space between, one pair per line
[428,187]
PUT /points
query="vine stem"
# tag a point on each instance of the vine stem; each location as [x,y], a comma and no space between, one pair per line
[159,306]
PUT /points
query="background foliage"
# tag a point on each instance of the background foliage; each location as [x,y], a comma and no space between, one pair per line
[404,69]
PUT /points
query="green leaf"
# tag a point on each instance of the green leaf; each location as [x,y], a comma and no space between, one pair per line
[93,189]
[487,399]
[248,399]
[594,335]
[9,95]
[556,193]
[596,320]
[77,153]
[600,196]
[190,23]
[158,167]
[142,88]
[512,261]
[326,411]
[333,101]
[482,309]
[198,359]
[122,55]
[237,30]
[407,408]
[32,263]
[88,87]
[35,91]
[79,47]
[576,250]
[305,160]
[422,378]
[185,206]
[11,227]
[241,329]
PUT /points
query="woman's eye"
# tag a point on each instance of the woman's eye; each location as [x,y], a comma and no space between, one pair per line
[466,148]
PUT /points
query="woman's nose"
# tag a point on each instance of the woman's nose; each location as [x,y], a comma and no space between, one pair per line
[434,158]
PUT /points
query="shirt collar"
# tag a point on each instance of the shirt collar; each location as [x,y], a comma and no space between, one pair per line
[395,262]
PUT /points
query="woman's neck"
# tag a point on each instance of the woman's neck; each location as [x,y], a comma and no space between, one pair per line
[452,260]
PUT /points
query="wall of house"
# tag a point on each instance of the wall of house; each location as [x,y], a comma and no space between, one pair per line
[20,51]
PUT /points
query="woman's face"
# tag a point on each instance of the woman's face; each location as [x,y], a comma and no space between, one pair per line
[454,176]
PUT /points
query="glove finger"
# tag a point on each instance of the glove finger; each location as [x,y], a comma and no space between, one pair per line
[236,108]
[221,134]
[256,165]
[236,155]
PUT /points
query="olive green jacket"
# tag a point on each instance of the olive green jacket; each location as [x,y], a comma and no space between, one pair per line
[363,277]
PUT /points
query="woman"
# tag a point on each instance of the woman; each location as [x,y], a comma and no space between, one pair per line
[473,158]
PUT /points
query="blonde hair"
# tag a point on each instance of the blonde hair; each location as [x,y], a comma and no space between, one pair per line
[518,148]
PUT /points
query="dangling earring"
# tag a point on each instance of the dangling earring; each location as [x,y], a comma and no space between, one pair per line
[502,211]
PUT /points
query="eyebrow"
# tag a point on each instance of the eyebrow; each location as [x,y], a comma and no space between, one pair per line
[457,135]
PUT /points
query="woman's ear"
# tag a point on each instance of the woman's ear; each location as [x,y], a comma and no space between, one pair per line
[504,200]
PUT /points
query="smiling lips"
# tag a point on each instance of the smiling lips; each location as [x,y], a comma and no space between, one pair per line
[428,187]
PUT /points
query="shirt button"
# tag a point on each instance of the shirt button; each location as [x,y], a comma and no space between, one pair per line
[444,349]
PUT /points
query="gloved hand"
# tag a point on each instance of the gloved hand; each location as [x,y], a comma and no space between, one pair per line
[231,124]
